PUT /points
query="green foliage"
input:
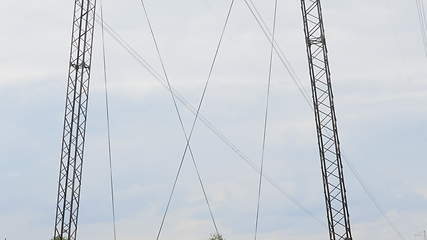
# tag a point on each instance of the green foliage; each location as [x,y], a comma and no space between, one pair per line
[58,238]
[216,237]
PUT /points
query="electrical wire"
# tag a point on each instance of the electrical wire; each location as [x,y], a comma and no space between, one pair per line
[180,119]
[185,134]
[208,124]
[107,110]
[206,86]
[265,122]
[277,49]
[423,22]
[285,62]
[372,198]
[252,8]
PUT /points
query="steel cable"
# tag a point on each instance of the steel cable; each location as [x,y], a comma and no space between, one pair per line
[188,138]
[297,81]
[200,102]
[218,133]
[280,54]
[372,198]
[423,23]
[265,122]
[185,134]
[107,110]
[138,57]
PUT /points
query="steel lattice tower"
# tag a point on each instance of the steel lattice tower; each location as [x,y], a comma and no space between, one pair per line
[326,124]
[73,140]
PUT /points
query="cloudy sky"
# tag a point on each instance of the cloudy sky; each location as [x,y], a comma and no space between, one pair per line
[379,75]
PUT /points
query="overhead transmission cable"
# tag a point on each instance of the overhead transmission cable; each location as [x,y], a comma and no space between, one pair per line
[188,138]
[264,137]
[280,54]
[423,22]
[286,64]
[372,198]
[107,110]
[217,132]
[258,17]
[199,105]
[183,128]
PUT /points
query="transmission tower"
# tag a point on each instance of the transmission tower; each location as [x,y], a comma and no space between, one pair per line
[326,124]
[73,140]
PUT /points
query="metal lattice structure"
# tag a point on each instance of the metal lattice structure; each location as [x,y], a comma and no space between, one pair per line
[73,141]
[326,124]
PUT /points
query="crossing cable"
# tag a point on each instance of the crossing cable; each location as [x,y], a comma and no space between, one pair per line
[208,124]
[265,122]
[107,110]
[372,198]
[282,57]
[180,119]
[183,129]
[423,22]
[200,102]
[258,17]
[280,54]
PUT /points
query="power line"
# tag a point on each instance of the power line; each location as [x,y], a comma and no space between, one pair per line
[423,23]
[217,132]
[258,17]
[185,134]
[279,52]
[108,125]
[371,197]
[282,57]
[265,122]
[180,119]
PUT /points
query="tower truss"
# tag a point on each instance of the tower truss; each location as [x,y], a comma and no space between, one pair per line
[326,123]
[73,140]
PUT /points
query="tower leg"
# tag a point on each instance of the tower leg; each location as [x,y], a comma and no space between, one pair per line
[326,124]
[76,103]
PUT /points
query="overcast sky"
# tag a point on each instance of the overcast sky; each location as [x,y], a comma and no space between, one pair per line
[379,75]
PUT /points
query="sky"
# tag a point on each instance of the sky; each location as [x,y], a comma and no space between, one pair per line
[379,74]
